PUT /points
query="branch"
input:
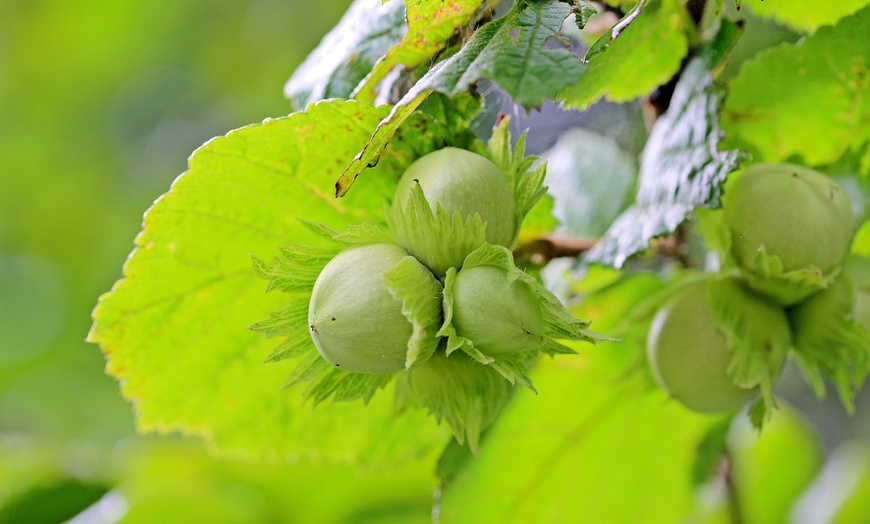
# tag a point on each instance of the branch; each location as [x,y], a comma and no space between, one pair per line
[541,250]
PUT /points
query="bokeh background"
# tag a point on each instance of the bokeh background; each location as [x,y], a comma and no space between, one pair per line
[101,103]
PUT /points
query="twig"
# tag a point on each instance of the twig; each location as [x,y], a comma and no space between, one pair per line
[546,248]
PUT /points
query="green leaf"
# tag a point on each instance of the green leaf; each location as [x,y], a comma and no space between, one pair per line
[584,430]
[343,386]
[310,367]
[370,154]
[178,480]
[681,168]
[450,116]
[804,15]
[821,83]
[583,11]
[58,501]
[292,346]
[591,180]
[347,53]
[637,55]
[173,329]
[431,25]
[508,50]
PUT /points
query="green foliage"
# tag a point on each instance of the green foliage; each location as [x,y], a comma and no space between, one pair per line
[510,51]
[430,27]
[803,15]
[372,39]
[160,479]
[347,54]
[681,168]
[820,83]
[584,431]
[173,328]
[507,50]
[637,55]
[55,503]
[584,202]
[848,462]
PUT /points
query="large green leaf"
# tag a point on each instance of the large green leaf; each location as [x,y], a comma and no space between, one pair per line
[173,329]
[347,54]
[810,100]
[804,15]
[637,55]
[585,449]
[681,168]
[509,50]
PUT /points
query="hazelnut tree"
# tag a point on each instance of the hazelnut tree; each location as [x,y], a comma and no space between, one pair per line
[395,257]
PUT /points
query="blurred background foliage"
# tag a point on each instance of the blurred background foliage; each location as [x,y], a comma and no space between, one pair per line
[100,104]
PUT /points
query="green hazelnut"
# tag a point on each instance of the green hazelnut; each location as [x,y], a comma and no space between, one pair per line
[355,322]
[467,183]
[689,355]
[497,314]
[795,213]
